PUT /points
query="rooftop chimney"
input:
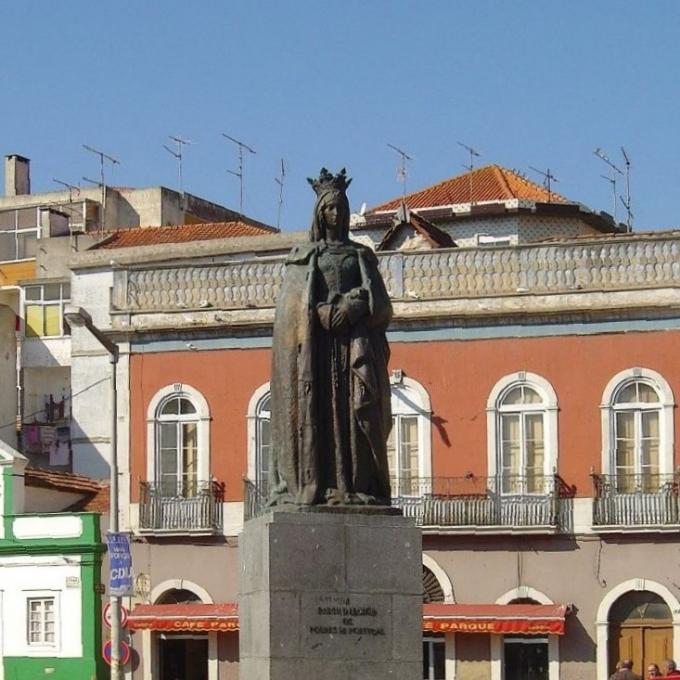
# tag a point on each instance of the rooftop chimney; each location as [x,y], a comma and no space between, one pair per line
[17,175]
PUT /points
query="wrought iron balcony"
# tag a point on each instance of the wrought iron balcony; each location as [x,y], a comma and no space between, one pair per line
[641,500]
[479,502]
[255,497]
[463,502]
[181,507]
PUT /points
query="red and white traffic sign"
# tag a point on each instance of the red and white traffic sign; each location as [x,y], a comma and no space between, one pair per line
[106,615]
[124,655]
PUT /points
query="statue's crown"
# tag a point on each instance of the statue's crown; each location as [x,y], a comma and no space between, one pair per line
[327,181]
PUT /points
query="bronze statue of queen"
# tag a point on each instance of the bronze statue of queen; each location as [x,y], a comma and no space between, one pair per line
[330,386]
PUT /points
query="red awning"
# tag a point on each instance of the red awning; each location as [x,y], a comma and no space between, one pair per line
[523,619]
[180,617]
[518,619]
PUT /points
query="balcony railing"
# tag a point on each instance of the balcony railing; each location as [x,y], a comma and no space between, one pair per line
[501,501]
[185,506]
[463,502]
[540,268]
[636,500]
[255,497]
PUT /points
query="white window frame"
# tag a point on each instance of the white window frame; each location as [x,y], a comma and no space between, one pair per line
[494,409]
[431,641]
[37,230]
[253,429]
[410,398]
[482,240]
[202,418]
[665,406]
[42,649]
[62,302]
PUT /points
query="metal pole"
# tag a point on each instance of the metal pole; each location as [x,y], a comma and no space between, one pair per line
[116,670]
[77,316]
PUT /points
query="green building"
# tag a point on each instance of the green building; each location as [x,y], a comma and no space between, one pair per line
[50,575]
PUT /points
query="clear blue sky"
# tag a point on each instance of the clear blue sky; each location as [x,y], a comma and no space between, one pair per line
[330,83]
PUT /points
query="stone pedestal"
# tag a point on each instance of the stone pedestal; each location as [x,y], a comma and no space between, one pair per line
[331,593]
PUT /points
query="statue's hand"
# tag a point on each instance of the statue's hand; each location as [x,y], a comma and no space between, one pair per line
[355,305]
[333,317]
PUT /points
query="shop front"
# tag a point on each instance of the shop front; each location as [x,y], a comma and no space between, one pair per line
[186,638]
[520,637]
[183,635]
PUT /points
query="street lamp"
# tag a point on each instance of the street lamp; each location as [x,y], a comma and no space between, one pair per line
[77,316]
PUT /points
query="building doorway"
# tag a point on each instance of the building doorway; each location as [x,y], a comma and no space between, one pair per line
[640,629]
[525,658]
[183,657]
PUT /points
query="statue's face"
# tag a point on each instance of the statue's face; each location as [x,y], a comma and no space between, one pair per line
[331,213]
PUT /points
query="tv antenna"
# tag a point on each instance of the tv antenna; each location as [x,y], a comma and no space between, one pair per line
[178,154]
[279,180]
[612,181]
[626,203]
[548,178]
[102,183]
[401,169]
[241,146]
[473,153]
[626,173]
[71,188]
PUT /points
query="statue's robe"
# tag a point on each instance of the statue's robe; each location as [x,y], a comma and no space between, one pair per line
[298,472]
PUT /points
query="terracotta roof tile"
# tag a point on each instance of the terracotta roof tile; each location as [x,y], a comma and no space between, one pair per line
[489,183]
[182,233]
[98,502]
[61,481]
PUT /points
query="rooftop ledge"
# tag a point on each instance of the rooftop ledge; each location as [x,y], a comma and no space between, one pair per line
[622,272]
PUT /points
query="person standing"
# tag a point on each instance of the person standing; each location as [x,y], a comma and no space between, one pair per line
[625,671]
[671,669]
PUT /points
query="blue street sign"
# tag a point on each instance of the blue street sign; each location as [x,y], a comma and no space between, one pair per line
[120,565]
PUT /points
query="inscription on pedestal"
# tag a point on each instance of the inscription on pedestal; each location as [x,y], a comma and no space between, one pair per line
[352,626]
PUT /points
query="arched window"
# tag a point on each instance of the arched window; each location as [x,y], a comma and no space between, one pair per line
[264,441]
[637,430]
[637,412]
[259,437]
[408,446]
[522,422]
[178,436]
[177,452]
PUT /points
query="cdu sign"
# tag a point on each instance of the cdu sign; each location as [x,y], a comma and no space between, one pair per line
[120,565]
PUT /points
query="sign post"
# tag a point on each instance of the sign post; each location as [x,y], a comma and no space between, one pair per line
[120,584]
